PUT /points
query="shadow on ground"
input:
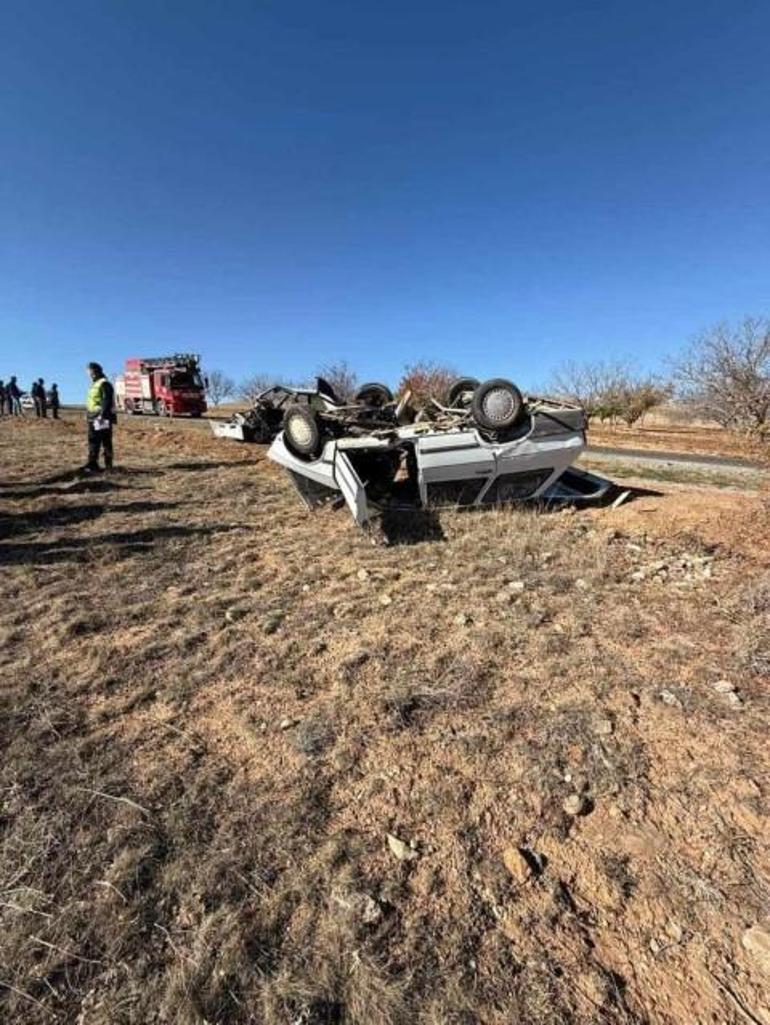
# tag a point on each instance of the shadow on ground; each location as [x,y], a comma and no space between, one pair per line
[194,467]
[12,524]
[80,549]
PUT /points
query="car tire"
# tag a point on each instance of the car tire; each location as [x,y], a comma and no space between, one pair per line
[497,405]
[302,432]
[374,394]
[462,386]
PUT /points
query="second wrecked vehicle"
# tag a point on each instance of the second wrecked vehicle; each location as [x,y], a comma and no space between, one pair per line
[486,445]
[264,420]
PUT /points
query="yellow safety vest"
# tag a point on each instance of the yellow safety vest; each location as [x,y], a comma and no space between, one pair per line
[94,397]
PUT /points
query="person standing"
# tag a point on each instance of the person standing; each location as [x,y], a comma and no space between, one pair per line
[3,398]
[13,391]
[100,411]
[35,393]
[53,400]
[42,397]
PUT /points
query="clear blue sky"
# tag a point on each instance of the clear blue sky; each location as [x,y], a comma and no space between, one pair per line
[500,185]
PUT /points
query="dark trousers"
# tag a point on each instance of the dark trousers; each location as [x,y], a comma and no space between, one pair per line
[54,411]
[99,440]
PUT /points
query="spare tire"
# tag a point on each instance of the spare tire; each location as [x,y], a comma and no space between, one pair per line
[459,388]
[374,394]
[497,405]
[302,432]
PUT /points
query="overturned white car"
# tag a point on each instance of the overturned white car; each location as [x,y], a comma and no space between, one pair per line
[486,446]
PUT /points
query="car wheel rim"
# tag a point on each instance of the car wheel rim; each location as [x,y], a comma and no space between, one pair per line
[301,432]
[498,405]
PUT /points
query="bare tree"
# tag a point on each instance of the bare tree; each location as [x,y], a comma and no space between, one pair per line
[427,379]
[249,389]
[725,375]
[219,386]
[341,377]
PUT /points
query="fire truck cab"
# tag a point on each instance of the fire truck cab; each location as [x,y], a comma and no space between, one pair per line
[162,385]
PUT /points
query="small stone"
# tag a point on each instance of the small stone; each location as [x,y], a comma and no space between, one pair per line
[505,597]
[734,700]
[669,698]
[638,576]
[403,851]
[306,588]
[355,660]
[603,727]
[674,930]
[581,584]
[723,686]
[575,805]
[369,910]
[286,724]
[234,614]
[360,906]
[462,619]
[756,941]
[516,586]
[517,865]
[363,574]
[385,599]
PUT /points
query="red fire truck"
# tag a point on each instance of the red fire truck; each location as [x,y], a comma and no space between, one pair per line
[164,385]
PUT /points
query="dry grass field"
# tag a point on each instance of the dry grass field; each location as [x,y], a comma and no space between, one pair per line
[510,770]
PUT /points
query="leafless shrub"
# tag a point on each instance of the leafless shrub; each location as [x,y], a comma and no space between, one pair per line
[314,736]
[752,618]
[427,379]
[725,375]
[460,685]
[219,386]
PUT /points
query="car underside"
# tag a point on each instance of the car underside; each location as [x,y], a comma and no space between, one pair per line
[383,455]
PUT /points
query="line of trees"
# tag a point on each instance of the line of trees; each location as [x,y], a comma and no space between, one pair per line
[611,391]
[723,376]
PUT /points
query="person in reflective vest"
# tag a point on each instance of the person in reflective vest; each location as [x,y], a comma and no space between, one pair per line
[100,411]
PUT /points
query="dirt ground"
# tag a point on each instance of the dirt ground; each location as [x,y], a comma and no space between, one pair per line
[512,768]
[670,430]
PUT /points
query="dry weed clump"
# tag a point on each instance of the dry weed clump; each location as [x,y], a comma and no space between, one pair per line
[216,710]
